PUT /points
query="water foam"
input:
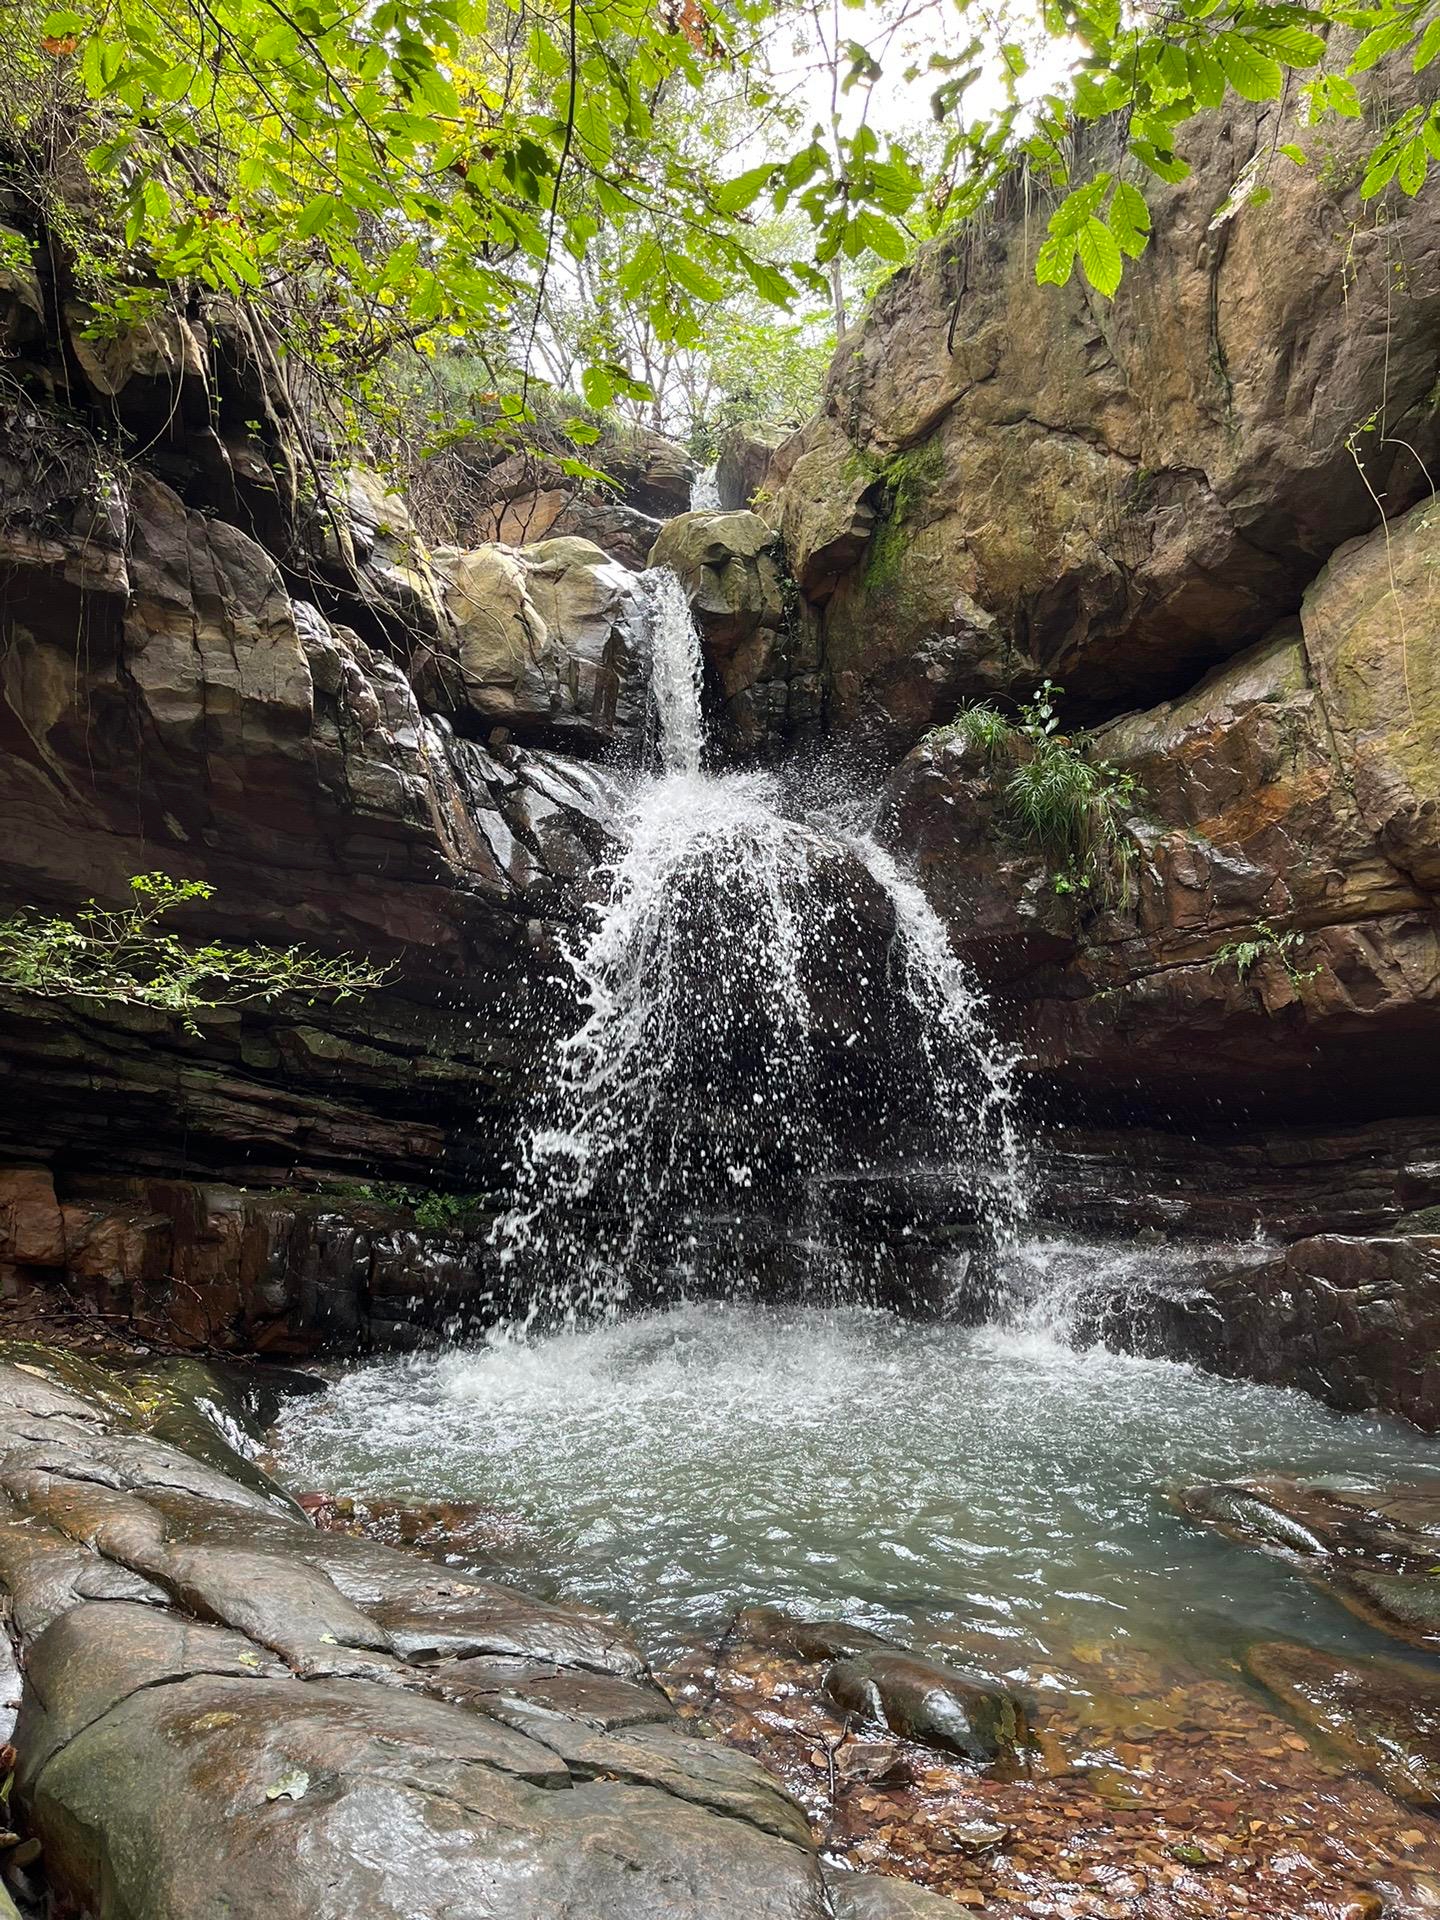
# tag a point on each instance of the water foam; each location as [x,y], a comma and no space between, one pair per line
[691,1096]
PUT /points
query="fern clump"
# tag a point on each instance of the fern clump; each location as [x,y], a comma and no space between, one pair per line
[1060,799]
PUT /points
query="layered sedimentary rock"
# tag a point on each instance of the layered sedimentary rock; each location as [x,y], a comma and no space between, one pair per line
[178,695]
[1295,788]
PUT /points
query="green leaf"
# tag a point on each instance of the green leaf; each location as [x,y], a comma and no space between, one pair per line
[733,196]
[1100,256]
[1380,171]
[317,214]
[1414,165]
[880,236]
[768,281]
[695,279]
[1130,219]
[1292,46]
[1427,47]
[1374,47]
[1254,75]
[1055,261]
[1207,77]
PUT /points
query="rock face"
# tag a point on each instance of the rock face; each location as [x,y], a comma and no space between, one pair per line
[547,643]
[216,1695]
[757,643]
[215,1269]
[1290,788]
[1354,1321]
[521,498]
[1006,482]
[171,699]
[742,467]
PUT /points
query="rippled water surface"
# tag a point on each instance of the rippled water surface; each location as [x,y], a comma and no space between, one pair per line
[675,1465]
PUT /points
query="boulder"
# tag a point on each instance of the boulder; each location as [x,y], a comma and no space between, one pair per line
[962,1713]
[1007,481]
[758,644]
[149,375]
[546,643]
[742,465]
[650,471]
[726,563]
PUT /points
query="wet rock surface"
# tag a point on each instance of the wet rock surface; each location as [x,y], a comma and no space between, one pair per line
[220,1700]
[1155,1791]
[1352,1320]
[1275,793]
[1385,1714]
[1375,1549]
[203,1266]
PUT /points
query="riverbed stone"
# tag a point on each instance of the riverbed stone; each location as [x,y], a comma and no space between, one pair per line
[1374,1548]
[875,1896]
[923,1700]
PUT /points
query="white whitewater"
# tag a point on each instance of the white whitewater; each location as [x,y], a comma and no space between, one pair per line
[691,1094]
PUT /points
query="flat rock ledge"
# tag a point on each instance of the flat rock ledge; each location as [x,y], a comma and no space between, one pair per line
[223,1711]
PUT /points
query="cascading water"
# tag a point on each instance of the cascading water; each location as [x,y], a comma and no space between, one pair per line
[715,1070]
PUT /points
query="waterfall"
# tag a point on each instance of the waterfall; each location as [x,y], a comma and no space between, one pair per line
[714,1070]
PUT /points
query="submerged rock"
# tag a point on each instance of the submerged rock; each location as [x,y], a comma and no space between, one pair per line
[1385,1714]
[958,1712]
[1375,1549]
[916,1699]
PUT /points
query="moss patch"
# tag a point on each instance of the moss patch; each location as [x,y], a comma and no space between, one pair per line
[908,479]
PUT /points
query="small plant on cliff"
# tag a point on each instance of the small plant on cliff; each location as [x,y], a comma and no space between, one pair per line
[435,1211]
[1059,799]
[127,955]
[1265,943]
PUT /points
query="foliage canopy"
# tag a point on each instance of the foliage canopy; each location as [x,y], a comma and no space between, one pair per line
[409,174]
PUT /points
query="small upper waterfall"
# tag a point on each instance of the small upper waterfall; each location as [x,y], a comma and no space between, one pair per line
[765,1003]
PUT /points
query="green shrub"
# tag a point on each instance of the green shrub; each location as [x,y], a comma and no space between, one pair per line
[1059,799]
[124,955]
[434,1211]
[1265,943]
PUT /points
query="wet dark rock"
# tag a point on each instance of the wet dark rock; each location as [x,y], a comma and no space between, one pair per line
[1375,1549]
[1354,1321]
[208,1266]
[916,1699]
[811,1640]
[323,1726]
[1384,1714]
[922,1700]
